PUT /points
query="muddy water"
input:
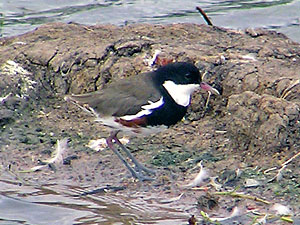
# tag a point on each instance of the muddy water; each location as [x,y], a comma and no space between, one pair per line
[64,205]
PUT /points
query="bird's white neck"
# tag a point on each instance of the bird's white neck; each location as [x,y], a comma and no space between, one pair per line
[181,93]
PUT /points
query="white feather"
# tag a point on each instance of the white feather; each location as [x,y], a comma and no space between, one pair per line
[140,131]
[199,179]
[235,212]
[147,109]
[57,155]
[281,209]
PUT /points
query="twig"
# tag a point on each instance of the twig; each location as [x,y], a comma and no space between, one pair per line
[278,176]
[3,99]
[288,90]
[207,218]
[204,74]
[270,169]
[88,29]
[241,195]
[288,161]
[208,21]
[270,217]
[207,101]
[102,190]
[287,219]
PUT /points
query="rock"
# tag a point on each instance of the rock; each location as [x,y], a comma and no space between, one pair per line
[6,116]
[262,121]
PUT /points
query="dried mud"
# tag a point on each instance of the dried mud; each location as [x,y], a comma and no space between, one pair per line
[254,125]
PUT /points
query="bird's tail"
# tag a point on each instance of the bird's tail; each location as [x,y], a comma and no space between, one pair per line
[82,101]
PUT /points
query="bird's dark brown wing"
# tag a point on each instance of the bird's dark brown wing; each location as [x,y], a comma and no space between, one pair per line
[121,98]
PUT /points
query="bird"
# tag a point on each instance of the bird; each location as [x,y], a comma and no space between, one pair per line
[143,104]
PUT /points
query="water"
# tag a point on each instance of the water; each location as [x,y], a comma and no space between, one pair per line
[19,16]
[62,205]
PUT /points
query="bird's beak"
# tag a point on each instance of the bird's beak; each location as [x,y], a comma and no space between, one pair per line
[207,87]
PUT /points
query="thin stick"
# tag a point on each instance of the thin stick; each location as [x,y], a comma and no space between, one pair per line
[288,90]
[241,195]
[208,21]
[278,176]
[288,161]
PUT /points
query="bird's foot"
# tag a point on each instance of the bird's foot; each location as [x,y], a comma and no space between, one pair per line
[139,167]
[136,172]
[141,177]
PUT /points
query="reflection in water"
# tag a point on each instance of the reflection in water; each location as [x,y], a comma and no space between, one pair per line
[19,211]
[55,204]
[19,17]
[61,204]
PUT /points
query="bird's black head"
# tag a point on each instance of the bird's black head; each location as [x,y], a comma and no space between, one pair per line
[179,73]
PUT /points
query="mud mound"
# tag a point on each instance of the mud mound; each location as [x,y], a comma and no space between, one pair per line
[255,122]
[256,69]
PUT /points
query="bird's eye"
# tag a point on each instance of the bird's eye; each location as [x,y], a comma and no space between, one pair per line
[188,76]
